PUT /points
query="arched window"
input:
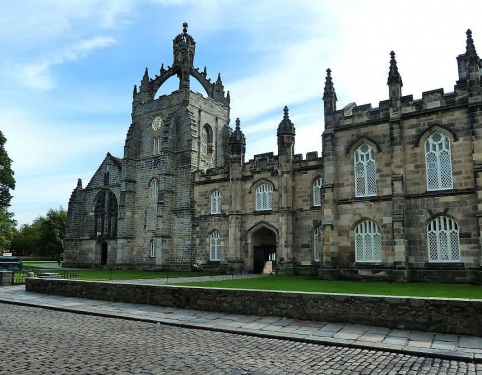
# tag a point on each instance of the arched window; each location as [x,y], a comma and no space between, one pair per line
[317,244]
[317,192]
[216,202]
[438,162]
[443,240]
[154,188]
[156,145]
[368,242]
[264,197]
[152,249]
[215,246]
[204,141]
[105,211]
[365,171]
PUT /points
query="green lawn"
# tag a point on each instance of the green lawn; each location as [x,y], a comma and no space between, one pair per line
[304,284]
[100,274]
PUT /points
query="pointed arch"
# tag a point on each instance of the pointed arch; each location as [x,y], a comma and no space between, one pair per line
[317,184]
[436,127]
[438,162]
[259,225]
[355,143]
[154,188]
[214,246]
[368,242]
[216,202]
[443,242]
[260,181]
[365,171]
[105,209]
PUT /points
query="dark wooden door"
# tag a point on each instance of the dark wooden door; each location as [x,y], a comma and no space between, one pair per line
[103,255]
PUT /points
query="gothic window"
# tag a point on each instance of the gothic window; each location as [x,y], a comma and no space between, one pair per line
[204,141]
[207,140]
[106,174]
[365,171]
[264,197]
[317,244]
[145,221]
[216,202]
[317,192]
[368,242]
[443,240]
[156,145]
[438,162]
[105,214]
[152,249]
[215,246]
[154,188]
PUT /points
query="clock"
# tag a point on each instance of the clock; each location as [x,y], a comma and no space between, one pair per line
[156,123]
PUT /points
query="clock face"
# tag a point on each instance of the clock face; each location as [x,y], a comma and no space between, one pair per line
[156,123]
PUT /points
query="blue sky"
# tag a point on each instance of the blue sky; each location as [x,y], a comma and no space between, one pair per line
[67,70]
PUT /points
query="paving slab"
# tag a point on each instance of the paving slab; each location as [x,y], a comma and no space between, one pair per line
[427,344]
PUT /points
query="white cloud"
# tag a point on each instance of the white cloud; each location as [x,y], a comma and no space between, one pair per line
[38,74]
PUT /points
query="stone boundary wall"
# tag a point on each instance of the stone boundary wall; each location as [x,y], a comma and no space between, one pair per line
[458,316]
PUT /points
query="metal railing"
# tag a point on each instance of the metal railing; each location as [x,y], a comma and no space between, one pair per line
[20,276]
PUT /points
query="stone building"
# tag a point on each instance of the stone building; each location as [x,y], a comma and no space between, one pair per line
[395,193]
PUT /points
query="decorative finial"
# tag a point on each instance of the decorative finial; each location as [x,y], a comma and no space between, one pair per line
[470,48]
[329,90]
[219,78]
[135,90]
[393,74]
[238,123]
[286,115]
[79,183]
[184,27]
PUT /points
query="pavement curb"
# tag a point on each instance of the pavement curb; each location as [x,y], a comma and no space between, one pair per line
[419,352]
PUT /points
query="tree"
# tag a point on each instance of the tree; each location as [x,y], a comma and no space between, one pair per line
[52,233]
[44,237]
[7,183]
[27,239]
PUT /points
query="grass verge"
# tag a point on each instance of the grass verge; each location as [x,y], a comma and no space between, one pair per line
[304,284]
[98,274]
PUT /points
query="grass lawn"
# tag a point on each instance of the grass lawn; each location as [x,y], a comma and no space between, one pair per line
[304,284]
[101,274]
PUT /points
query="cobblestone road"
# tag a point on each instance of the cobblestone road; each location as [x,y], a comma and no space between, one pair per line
[39,341]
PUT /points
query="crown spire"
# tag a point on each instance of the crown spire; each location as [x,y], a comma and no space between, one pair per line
[286,126]
[237,141]
[393,74]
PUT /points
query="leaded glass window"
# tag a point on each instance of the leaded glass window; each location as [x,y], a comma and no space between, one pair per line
[365,171]
[264,197]
[215,246]
[317,244]
[216,202]
[204,141]
[152,249]
[443,240]
[156,145]
[368,242]
[438,162]
[317,192]
[154,188]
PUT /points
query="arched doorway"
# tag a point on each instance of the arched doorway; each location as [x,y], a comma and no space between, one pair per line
[103,254]
[263,243]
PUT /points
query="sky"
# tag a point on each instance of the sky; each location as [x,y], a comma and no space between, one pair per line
[68,68]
